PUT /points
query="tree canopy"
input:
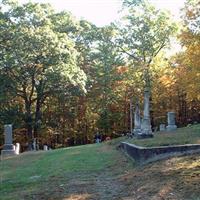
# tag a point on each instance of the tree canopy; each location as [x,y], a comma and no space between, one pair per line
[144,32]
[63,79]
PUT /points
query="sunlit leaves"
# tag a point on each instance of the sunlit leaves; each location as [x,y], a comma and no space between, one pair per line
[144,32]
[38,55]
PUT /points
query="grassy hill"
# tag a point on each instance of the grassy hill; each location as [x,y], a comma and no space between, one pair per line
[98,172]
[186,135]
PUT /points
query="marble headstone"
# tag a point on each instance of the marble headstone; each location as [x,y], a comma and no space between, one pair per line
[162,127]
[137,120]
[45,147]
[34,144]
[17,148]
[8,148]
[171,121]
[146,122]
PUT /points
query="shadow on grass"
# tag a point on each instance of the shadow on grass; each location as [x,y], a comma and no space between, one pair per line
[172,179]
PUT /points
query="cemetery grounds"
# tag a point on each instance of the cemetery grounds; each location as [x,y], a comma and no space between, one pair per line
[103,172]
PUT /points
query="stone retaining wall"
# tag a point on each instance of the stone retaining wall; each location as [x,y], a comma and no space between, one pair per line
[150,154]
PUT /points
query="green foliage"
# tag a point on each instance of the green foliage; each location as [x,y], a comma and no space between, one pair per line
[132,2]
[38,56]
[145,31]
[45,57]
[107,61]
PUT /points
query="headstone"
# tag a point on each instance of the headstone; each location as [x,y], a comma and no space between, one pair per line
[45,147]
[8,148]
[131,117]
[171,121]
[162,127]
[146,122]
[97,137]
[137,120]
[17,148]
[37,146]
[34,144]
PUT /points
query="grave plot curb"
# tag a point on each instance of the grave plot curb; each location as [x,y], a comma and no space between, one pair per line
[144,155]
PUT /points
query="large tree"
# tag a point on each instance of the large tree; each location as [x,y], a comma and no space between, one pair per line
[187,64]
[37,56]
[145,31]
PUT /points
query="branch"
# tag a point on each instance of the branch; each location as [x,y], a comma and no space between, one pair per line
[156,53]
[131,55]
[22,96]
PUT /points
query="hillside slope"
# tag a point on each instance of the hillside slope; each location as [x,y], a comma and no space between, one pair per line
[97,172]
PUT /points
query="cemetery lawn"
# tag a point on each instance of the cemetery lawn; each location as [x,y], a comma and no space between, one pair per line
[97,172]
[186,135]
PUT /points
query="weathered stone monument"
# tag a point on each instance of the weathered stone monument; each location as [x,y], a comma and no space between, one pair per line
[146,122]
[34,145]
[8,148]
[131,119]
[171,121]
[137,120]
[45,147]
[17,148]
[162,127]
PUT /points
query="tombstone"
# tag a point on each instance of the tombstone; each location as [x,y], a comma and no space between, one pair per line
[8,148]
[162,127]
[146,122]
[171,121]
[34,144]
[131,117]
[137,120]
[45,147]
[37,146]
[17,148]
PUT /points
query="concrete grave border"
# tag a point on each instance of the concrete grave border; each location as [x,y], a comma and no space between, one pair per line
[144,155]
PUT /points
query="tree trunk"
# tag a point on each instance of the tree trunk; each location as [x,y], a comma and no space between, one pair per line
[29,123]
[37,117]
[39,101]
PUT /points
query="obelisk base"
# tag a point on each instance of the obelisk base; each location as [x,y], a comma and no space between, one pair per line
[8,150]
[146,131]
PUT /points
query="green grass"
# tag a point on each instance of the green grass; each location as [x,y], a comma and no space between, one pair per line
[26,173]
[186,135]
[101,172]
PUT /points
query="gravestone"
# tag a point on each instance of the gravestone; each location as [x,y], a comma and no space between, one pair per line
[8,148]
[131,118]
[171,121]
[34,144]
[45,148]
[137,120]
[162,127]
[17,148]
[146,122]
